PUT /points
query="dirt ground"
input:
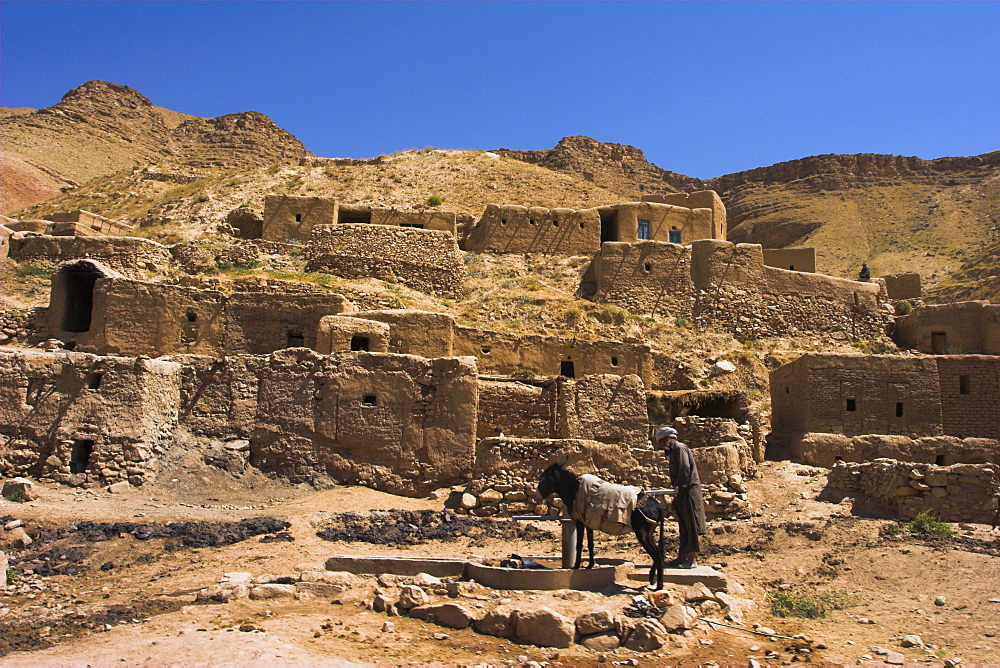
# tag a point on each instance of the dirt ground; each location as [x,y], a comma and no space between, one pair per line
[129,600]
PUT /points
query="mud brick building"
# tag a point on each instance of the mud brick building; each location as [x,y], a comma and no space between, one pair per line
[292,218]
[792,259]
[944,329]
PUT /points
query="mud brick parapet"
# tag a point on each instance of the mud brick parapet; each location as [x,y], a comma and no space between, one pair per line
[959,493]
[425,260]
[132,256]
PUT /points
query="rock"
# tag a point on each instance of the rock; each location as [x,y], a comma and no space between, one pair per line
[735,607]
[766,631]
[940,600]
[440,636]
[543,627]
[222,593]
[496,623]
[952,663]
[601,642]
[381,603]
[339,578]
[425,580]
[678,617]
[13,524]
[410,596]
[468,501]
[911,641]
[388,627]
[725,366]
[452,615]
[490,497]
[4,563]
[595,622]
[18,537]
[19,488]
[698,592]
[118,488]
[895,658]
[649,634]
[272,591]
[453,589]
[236,577]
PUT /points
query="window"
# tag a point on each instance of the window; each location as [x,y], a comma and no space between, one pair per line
[296,340]
[642,232]
[418,226]
[485,350]
[939,343]
[298,218]
[581,226]
[191,315]
[503,221]
[674,235]
[79,458]
[92,381]
[555,223]
[939,460]
[369,400]
[791,267]
[899,409]
[852,405]
[360,343]
[964,387]
[566,369]
[648,267]
[788,389]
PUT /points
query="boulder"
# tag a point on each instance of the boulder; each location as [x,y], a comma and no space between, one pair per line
[17,537]
[426,580]
[678,617]
[543,627]
[19,488]
[341,578]
[595,622]
[496,623]
[649,634]
[698,592]
[236,577]
[272,591]
[601,642]
[410,596]
[452,615]
[222,593]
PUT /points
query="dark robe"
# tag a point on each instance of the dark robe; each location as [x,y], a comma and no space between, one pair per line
[688,505]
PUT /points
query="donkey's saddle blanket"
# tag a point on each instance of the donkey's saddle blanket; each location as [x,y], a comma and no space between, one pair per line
[605,506]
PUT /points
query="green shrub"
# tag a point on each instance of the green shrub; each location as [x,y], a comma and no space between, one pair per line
[890,530]
[682,322]
[793,603]
[17,496]
[926,524]
[904,308]
[13,575]
[29,270]
[434,200]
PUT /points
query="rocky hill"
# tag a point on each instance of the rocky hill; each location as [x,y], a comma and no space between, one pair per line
[101,127]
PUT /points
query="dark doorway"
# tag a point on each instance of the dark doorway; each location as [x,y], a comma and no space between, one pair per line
[939,343]
[79,458]
[78,285]
[354,216]
[296,340]
[359,343]
[609,226]
[567,369]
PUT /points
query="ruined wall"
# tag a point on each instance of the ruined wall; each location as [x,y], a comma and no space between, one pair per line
[963,327]
[397,423]
[5,234]
[517,409]
[645,277]
[826,449]
[518,229]
[702,199]
[793,259]
[415,332]
[92,221]
[218,397]
[426,219]
[425,260]
[970,395]
[83,419]
[262,322]
[857,394]
[287,218]
[131,256]
[903,286]
[959,493]
[338,333]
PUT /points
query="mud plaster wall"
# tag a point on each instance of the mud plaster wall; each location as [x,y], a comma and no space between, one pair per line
[397,423]
[702,199]
[825,449]
[425,260]
[54,407]
[518,229]
[293,218]
[963,327]
[857,394]
[728,286]
[428,219]
[92,221]
[218,397]
[341,332]
[959,493]
[793,259]
[131,256]
[903,286]
[691,224]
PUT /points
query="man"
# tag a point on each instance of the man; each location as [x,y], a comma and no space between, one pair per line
[866,273]
[688,505]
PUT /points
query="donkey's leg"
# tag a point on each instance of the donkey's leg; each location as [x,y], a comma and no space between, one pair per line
[660,558]
[644,534]
[579,543]
[590,546]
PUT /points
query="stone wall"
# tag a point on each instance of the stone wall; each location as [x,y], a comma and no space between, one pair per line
[218,396]
[425,260]
[132,256]
[5,234]
[970,395]
[83,419]
[960,328]
[728,286]
[903,286]
[959,493]
[793,259]
[426,219]
[398,423]
[92,221]
[826,449]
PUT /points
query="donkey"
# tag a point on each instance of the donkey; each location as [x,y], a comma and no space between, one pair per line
[647,513]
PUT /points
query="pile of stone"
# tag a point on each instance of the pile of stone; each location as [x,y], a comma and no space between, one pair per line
[504,496]
[958,493]
[310,582]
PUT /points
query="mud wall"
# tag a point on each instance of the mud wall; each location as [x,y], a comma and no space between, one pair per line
[131,256]
[518,229]
[961,328]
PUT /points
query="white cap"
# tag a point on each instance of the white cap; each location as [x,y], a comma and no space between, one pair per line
[664,433]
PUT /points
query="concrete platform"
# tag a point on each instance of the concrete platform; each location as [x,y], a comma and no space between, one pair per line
[707,575]
[604,574]
[439,568]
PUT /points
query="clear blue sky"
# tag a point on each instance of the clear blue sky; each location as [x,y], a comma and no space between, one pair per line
[704,88]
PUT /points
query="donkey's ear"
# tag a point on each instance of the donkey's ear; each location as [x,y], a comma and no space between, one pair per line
[564,461]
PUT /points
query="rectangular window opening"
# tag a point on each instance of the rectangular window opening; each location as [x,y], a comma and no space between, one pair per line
[939,460]
[296,340]
[191,315]
[567,369]
[360,343]
[298,218]
[614,361]
[92,380]
[964,387]
[369,400]
[939,343]
[642,231]
[674,235]
[852,405]
[648,267]
[899,409]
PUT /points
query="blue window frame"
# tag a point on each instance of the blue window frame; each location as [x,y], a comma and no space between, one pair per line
[675,236]
[642,232]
